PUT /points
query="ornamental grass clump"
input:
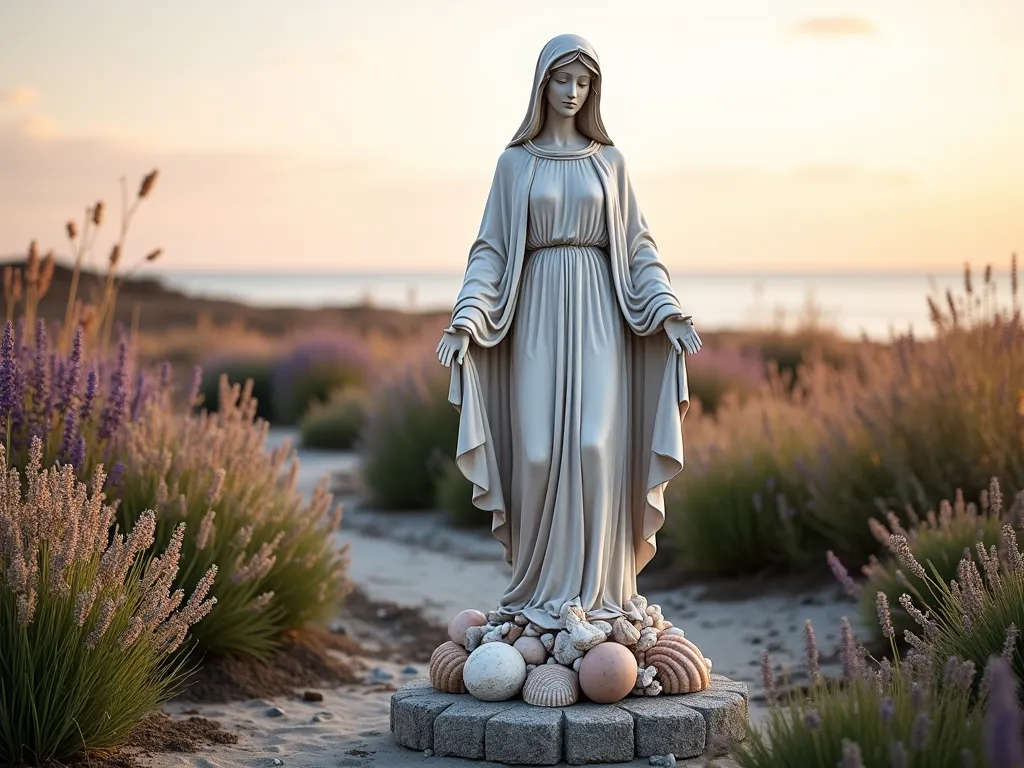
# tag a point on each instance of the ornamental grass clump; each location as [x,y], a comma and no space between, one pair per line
[938,539]
[280,565]
[89,625]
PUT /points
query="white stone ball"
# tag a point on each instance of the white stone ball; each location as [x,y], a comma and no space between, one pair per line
[494,672]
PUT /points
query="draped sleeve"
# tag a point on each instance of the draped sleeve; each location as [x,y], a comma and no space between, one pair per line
[486,302]
[645,290]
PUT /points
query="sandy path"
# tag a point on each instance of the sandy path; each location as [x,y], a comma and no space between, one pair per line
[413,561]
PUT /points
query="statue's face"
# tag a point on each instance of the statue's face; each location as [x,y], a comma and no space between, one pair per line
[568,88]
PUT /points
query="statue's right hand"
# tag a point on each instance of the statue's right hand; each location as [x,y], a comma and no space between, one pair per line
[453,346]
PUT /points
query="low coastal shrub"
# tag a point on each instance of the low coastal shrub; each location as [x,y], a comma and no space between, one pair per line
[280,567]
[455,497]
[239,370]
[736,508]
[938,540]
[334,425]
[411,431]
[720,371]
[920,420]
[89,624]
[316,367]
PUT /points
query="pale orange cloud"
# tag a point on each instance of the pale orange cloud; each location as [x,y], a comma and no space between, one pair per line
[19,96]
[836,26]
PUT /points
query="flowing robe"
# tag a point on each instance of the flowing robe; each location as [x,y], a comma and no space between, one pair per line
[570,416]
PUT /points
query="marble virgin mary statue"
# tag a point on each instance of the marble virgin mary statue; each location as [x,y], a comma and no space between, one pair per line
[568,346]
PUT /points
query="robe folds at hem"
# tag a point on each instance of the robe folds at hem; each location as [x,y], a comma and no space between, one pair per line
[656,380]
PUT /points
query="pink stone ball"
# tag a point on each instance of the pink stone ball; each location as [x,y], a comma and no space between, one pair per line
[462,622]
[608,673]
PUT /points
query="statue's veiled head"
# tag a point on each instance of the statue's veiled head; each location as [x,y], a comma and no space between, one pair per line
[568,81]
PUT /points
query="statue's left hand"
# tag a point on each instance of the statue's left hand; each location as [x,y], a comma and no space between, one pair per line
[682,335]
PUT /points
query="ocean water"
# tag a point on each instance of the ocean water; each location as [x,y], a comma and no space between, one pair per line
[875,305]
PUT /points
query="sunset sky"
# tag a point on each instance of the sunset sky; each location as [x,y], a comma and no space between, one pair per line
[362,134]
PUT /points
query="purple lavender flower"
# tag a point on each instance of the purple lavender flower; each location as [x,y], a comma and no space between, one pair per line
[78,454]
[91,389]
[196,385]
[72,373]
[116,475]
[323,361]
[141,396]
[114,412]
[8,364]
[70,438]
[166,375]
[1003,718]
[887,710]
[40,381]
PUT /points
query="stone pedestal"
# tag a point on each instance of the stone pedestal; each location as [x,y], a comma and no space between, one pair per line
[514,732]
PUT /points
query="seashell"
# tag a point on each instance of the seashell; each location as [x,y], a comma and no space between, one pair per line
[586,636]
[653,610]
[577,664]
[653,689]
[648,637]
[521,620]
[624,633]
[506,628]
[555,686]
[514,634]
[446,665]
[647,622]
[604,626]
[565,652]
[673,631]
[636,607]
[707,663]
[645,676]
[549,641]
[474,637]
[681,667]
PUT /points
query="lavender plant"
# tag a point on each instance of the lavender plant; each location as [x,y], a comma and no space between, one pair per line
[281,568]
[937,539]
[89,625]
[878,714]
[75,406]
[976,615]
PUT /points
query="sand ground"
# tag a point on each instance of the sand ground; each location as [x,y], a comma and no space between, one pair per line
[411,560]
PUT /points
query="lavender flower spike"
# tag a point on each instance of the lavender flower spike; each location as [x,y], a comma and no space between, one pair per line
[8,377]
[1004,747]
[842,575]
[72,373]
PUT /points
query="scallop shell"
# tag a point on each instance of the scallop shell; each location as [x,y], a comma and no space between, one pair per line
[446,665]
[681,667]
[552,685]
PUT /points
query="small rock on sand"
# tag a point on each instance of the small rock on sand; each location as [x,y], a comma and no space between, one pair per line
[275,712]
